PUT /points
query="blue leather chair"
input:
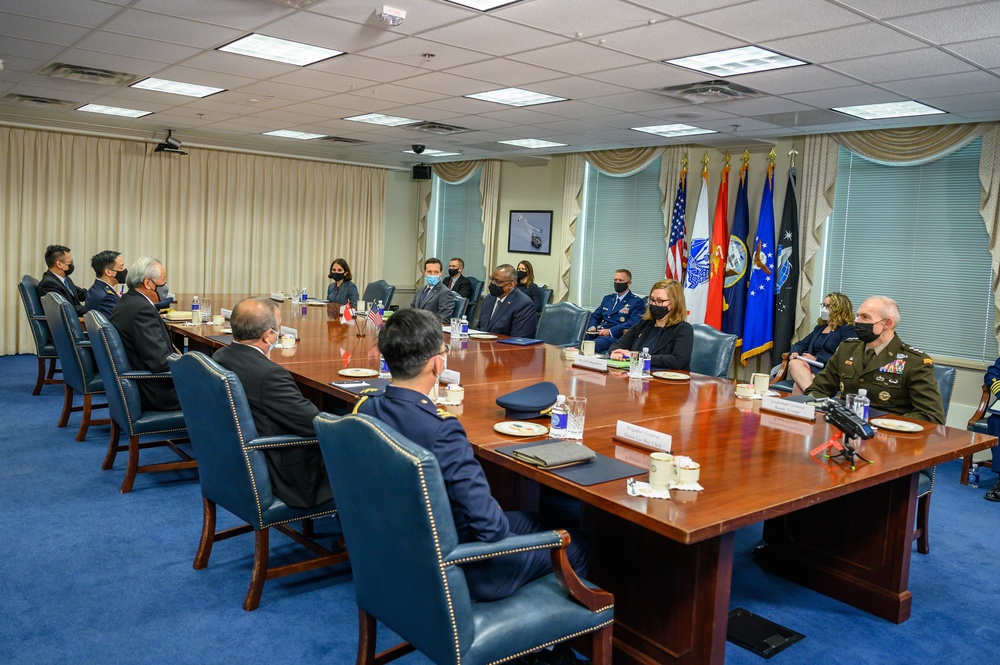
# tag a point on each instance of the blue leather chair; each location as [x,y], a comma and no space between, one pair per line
[379,290]
[27,288]
[562,324]
[474,297]
[405,557]
[977,423]
[460,305]
[126,409]
[546,294]
[233,472]
[79,374]
[713,351]
[945,377]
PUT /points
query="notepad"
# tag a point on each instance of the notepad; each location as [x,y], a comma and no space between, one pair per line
[520,341]
[555,454]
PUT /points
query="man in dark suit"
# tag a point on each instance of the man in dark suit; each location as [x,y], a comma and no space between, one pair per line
[298,476]
[434,296]
[456,281]
[144,335]
[56,279]
[507,311]
[109,266]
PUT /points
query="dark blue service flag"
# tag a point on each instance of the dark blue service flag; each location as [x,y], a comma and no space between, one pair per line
[788,271]
[758,329]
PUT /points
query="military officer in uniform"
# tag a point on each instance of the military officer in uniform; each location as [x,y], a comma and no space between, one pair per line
[413,346]
[899,378]
[617,313]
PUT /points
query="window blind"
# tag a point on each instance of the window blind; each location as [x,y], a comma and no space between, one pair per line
[460,225]
[622,228]
[914,233]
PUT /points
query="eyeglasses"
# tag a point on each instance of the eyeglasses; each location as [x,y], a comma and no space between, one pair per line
[446,350]
[660,303]
[498,282]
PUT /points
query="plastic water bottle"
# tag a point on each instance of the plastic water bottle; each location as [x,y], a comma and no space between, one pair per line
[647,361]
[383,368]
[465,328]
[196,310]
[560,418]
[861,404]
[305,295]
[381,309]
[974,476]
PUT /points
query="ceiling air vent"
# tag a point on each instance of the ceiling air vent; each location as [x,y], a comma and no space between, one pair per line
[709,92]
[61,70]
[341,139]
[437,128]
[37,102]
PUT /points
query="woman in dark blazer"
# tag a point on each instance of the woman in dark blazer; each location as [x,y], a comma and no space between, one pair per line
[835,324]
[342,290]
[526,282]
[663,329]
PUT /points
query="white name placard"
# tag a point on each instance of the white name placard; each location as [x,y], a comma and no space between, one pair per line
[591,362]
[643,435]
[280,297]
[450,376]
[226,313]
[794,426]
[787,408]
[285,330]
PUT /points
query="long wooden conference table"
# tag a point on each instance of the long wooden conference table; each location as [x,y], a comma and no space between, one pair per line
[847,534]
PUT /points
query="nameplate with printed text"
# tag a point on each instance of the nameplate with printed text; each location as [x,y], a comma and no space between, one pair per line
[643,435]
[591,362]
[450,376]
[226,313]
[285,330]
[788,408]
[280,297]
[799,427]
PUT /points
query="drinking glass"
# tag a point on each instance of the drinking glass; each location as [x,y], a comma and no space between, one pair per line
[206,310]
[456,328]
[577,413]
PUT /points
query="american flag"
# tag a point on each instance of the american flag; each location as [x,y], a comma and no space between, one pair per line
[676,246]
[375,316]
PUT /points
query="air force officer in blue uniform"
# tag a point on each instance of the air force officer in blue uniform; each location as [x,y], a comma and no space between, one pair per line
[413,346]
[617,313]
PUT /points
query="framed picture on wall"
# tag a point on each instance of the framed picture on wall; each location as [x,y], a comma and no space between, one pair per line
[530,232]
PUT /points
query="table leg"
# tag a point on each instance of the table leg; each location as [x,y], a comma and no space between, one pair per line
[855,548]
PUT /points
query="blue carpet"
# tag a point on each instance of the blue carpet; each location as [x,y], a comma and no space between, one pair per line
[94,576]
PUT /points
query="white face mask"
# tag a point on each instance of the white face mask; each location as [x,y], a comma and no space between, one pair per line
[433,394]
[824,313]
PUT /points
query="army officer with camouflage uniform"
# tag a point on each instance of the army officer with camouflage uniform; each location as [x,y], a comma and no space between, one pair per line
[899,378]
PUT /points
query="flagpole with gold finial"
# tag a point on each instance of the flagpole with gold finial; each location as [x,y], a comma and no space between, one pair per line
[791,155]
[684,171]
[771,156]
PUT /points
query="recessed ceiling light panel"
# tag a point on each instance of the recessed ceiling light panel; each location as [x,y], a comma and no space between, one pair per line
[483,5]
[384,120]
[279,50]
[515,97]
[433,153]
[289,134]
[113,110]
[533,143]
[732,62]
[888,110]
[672,131]
[176,87]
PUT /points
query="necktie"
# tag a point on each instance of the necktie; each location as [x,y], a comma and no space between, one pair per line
[869,357]
[423,296]
[496,306]
[70,290]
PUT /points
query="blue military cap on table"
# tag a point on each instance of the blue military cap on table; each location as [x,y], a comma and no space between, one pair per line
[531,402]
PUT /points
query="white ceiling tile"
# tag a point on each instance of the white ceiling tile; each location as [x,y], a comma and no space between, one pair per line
[987,101]
[505,73]
[461,105]
[370,69]
[568,17]
[649,76]
[764,20]
[398,94]
[850,96]
[957,24]
[240,65]
[135,47]
[636,101]
[107,100]
[182,118]
[359,104]
[327,32]
[155,26]
[493,36]
[85,13]
[668,39]
[983,52]
[37,88]
[794,79]
[29,50]
[852,42]
[282,91]
[420,14]
[410,51]
[578,58]
[115,63]
[685,7]
[691,114]
[751,107]
[449,84]
[308,77]
[576,87]
[576,110]
[894,66]
[944,86]
[49,32]
[521,116]
[289,117]
[232,13]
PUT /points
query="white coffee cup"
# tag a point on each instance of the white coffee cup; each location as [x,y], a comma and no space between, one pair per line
[570,354]
[287,342]
[218,319]
[454,393]
[587,347]
[362,306]
[760,382]
[662,471]
[744,390]
[688,473]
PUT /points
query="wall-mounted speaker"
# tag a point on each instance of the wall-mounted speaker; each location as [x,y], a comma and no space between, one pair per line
[421,172]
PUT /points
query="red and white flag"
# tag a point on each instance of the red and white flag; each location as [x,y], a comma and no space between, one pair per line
[345,313]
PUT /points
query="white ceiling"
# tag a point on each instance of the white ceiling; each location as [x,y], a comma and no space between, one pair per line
[603,55]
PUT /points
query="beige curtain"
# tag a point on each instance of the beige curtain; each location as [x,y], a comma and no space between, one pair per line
[424,194]
[489,191]
[221,222]
[989,204]
[623,162]
[816,190]
[455,173]
[572,207]
[909,146]
[670,174]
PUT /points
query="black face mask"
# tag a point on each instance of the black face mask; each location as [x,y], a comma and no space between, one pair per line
[658,311]
[162,292]
[621,287]
[120,276]
[496,290]
[521,274]
[337,276]
[452,272]
[69,271]
[866,332]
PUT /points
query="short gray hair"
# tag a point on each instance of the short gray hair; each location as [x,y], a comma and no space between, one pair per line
[252,317]
[509,272]
[887,307]
[145,267]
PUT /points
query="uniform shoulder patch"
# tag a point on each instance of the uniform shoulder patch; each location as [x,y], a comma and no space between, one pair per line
[928,361]
[371,391]
[913,349]
[442,414]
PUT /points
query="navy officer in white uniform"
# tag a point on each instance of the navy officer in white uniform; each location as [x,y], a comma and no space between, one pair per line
[617,313]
